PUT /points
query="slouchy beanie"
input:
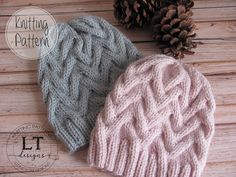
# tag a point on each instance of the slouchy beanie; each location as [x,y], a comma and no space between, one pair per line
[158,120]
[76,76]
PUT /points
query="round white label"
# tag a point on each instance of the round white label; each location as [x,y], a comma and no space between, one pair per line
[31,32]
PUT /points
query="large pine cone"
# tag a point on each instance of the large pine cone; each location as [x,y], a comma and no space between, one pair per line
[135,13]
[173,27]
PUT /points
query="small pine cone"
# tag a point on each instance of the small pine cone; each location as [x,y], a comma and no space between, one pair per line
[135,13]
[173,27]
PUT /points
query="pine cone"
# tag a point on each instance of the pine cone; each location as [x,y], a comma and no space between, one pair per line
[135,13]
[173,27]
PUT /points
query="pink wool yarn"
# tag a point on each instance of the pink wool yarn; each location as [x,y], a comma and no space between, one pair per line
[157,121]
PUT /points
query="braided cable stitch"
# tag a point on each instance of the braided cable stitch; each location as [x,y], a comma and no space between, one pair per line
[157,121]
[76,76]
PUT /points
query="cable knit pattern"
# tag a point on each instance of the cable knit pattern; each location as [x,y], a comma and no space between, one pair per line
[157,121]
[76,76]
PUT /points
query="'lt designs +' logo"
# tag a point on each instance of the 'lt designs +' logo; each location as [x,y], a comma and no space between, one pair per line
[31,149]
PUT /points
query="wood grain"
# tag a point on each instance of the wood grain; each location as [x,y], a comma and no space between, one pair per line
[21,99]
[71,6]
[210,55]
[25,93]
[218,29]
[218,153]
[225,114]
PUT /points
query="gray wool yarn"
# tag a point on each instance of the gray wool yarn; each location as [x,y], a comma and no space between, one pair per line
[77,75]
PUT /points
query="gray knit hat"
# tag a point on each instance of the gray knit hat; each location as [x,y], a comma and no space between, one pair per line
[76,76]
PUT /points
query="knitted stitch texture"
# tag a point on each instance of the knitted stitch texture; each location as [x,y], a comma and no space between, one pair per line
[157,121]
[76,76]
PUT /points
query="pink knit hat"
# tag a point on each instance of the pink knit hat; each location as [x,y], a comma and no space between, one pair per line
[157,121]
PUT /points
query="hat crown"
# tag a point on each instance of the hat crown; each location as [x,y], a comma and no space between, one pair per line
[76,76]
[163,108]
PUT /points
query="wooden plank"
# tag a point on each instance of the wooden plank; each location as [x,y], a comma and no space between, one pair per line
[216,68]
[225,114]
[55,7]
[200,14]
[71,172]
[210,51]
[220,169]
[59,7]
[18,78]
[220,50]
[7,3]
[30,77]
[67,17]
[214,3]
[224,88]
[211,170]
[9,62]
[217,13]
[66,13]
[210,57]
[214,30]
[9,123]
[27,99]
[222,151]
[213,51]
[20,99]
[198,3]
